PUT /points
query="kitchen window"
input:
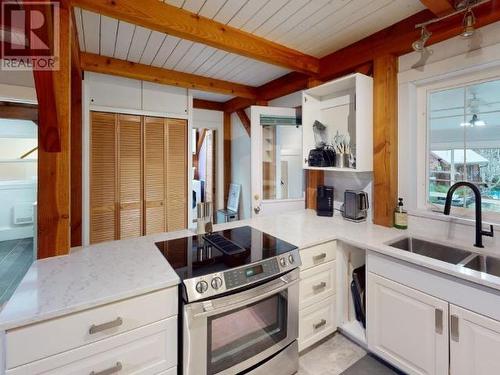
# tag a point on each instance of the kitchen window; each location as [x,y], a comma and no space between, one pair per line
[463,144]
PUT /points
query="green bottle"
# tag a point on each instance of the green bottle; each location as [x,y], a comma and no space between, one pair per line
[400,216]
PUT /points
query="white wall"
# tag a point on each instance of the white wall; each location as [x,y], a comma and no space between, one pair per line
[17,86]
[240,164]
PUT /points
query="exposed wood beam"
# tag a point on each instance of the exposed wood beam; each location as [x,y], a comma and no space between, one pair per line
[244,120]
[53,94]
[108,65]
[19,111]
[397,39]
[208,104]
[201,139]
[227,154]
[76,139]
[439,7]
[385,139]
[284,85]
[235,104]
[165,18]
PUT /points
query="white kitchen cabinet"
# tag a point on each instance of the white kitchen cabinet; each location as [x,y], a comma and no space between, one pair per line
[406,327]
[344,105]
[317,283]
[474,343]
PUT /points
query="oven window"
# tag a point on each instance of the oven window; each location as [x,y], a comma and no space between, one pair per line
[238,335]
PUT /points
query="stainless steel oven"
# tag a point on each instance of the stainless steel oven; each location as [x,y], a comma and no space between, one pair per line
[253,331]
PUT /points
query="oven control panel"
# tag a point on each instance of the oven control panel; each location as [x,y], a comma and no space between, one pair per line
[222,282]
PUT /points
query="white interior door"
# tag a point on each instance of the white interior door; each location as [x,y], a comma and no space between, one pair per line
[406,327]
[276,163]
[474,343]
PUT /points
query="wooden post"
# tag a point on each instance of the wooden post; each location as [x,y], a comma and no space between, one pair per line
[227,154]
[53,93]
[385,139]
[76,140]
[314,178]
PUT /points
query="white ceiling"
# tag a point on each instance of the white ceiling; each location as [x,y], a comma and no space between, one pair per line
[315,27]
[210,96]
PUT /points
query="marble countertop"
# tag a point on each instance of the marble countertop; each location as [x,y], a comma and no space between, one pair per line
[104,273]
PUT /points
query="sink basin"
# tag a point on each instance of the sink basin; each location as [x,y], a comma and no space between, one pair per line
[485,264]
[432,250]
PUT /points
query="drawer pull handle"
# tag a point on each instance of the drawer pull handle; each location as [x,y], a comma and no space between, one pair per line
[454,329]
[112,370]
[321,285]
[438,320]
[321,323]
[320,256]
[102,327]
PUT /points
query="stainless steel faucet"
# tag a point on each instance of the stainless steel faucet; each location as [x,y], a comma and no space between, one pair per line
[479,220]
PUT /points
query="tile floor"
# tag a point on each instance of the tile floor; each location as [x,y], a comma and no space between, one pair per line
[16,257]
[338,355]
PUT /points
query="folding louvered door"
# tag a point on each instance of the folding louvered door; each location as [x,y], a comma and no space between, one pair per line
[138,176]
[154,175]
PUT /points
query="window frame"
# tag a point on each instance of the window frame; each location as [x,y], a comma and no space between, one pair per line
[423,141]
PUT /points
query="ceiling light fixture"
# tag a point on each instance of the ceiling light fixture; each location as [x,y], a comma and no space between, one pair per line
[468,23]
[419,45]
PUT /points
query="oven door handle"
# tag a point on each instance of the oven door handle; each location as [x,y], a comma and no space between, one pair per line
[208,308]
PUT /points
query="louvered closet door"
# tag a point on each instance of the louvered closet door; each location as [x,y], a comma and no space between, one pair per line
[154,175]
[176,174]
[130,175]
[102,177]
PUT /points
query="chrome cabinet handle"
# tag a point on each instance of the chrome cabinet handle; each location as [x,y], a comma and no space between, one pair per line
[321,285]
[102,327]
[108,371]
[320,256]
[454,331]
[320,324]
[438,321]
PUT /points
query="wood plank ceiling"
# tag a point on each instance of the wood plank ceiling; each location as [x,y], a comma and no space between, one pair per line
[314,27]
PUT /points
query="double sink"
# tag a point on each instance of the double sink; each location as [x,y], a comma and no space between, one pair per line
[467,259]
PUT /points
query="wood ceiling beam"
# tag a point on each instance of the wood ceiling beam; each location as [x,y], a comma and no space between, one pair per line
[19,111]
[439,7]
[165,18]
[244,120]
[108,65]
[208,104]
[397,39]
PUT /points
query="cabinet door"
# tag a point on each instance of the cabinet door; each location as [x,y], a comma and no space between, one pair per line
[474,343]
[176,174]
[406,327]
[102,177]
[130,175]
[154,175]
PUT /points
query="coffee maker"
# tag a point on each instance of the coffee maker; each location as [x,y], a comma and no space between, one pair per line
[324,200]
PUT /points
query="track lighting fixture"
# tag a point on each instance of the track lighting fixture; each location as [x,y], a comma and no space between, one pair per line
[419,44]
[468,23]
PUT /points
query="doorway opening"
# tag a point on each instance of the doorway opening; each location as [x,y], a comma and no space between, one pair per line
[204,168]
[18,192]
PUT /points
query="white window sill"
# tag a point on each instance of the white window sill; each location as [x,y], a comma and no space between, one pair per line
[435,215]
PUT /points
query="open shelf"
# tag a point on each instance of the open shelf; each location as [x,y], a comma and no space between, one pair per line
[345,107]
[349,258]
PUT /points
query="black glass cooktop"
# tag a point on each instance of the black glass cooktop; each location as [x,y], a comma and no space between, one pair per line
[205,254]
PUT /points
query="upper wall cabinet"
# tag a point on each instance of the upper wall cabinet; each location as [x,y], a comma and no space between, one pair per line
[162,98]
[338,116]
[125,94]
[114,92]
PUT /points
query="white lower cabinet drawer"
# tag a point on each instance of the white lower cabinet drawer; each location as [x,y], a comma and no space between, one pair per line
[317,283]
[316,255]
[316,322]
[148,350]
[41,340]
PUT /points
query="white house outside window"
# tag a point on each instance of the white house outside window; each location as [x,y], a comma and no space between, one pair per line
[464,143]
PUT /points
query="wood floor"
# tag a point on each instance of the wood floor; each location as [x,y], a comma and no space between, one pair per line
[16,257]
